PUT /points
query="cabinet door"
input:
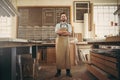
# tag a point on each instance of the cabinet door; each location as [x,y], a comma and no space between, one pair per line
[30,16]
[51,55]
[35,16]
[48,16]
[23,17]
[5,64]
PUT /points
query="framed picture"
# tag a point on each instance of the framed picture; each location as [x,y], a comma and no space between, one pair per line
[80,7]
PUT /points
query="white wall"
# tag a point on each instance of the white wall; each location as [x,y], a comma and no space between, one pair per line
[14,21]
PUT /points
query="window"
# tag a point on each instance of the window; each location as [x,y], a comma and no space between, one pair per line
[5,26]
[106,23]
[80,7]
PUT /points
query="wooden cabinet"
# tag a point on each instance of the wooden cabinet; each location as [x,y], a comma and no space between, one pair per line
[30,16]
[104,60]
[48,16]
[38,23]
[23,17]
[35,16]
[41,16]
[51,55]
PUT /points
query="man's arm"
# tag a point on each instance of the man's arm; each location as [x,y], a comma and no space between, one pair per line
[59,32]
[68,33]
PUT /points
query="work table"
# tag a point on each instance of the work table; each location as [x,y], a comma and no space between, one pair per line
[14,42]
[10,48]
[104,59]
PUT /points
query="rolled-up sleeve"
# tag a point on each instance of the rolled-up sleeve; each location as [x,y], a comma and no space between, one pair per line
[57,27]
[69,28]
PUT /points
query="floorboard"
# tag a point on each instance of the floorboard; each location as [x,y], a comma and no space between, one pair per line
[79,72]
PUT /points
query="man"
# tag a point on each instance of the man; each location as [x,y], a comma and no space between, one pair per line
[63,31]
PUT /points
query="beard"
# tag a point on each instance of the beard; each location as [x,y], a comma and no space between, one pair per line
[63,20]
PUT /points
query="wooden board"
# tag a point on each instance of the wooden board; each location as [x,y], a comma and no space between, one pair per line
[101,75]
[105,63]
[113,38]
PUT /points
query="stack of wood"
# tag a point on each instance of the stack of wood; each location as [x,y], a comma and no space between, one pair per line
[104,67]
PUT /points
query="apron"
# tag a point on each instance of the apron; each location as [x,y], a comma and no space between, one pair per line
[62,52]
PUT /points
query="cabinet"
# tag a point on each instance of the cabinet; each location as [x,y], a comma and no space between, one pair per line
[38,23]
[51,55]
[104,60]
[30,16]
[41,16]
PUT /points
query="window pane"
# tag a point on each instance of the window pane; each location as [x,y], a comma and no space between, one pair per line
[5,26]
[106,22]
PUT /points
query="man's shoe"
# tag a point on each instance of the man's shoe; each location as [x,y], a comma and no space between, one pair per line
[57,74]
[69,74]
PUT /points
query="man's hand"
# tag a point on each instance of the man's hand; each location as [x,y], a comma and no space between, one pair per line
[59,32]
[65,33]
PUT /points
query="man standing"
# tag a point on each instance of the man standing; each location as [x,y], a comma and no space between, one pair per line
[63,31]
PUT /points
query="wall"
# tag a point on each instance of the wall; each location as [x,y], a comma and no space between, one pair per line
[78,27]
[14,21]
[7,19]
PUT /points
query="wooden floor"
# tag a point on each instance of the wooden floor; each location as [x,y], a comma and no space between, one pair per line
[79,72]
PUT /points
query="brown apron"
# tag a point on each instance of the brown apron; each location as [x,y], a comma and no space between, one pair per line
[62,52]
